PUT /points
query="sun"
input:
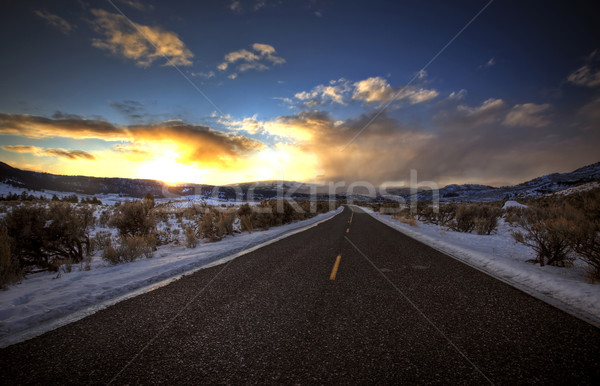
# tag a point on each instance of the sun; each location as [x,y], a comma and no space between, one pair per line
[167,169]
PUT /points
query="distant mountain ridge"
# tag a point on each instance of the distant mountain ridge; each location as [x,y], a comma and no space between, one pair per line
[549,183]
[29,180]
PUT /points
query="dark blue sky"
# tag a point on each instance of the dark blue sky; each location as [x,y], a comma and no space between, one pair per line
[287,83]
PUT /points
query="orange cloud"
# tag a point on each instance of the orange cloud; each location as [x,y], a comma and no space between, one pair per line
[41,151]
[143,44]
[195,144]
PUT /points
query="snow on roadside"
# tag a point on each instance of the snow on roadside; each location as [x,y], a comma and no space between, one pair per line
[513,204]
[500,256]
[43,302]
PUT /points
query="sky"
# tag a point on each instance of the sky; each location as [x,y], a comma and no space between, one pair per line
[221,92]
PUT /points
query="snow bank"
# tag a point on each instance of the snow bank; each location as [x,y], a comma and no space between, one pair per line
[43,301]
[513,204]
[500,256]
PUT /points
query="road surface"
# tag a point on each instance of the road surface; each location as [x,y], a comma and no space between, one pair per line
[348,301]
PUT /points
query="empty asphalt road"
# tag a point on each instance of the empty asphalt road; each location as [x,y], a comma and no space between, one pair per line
[348,301]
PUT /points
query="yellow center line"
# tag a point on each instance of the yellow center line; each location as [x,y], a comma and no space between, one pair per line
[352,215]
[348,230]
[335,267]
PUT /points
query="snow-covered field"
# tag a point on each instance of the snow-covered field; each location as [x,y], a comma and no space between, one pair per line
[44,301]
[111,199]
[500,256]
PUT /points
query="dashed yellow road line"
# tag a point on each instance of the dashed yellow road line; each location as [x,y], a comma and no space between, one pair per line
[335,267]
[348,230]
[352,215]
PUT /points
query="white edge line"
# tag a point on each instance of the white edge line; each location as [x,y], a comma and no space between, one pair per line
[33,332]
[557,303]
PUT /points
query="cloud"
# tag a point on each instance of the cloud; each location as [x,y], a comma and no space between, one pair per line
[585,76]
[48,152]
[32,126]
[56,21]
[195,144]
[252,66]
[527,115]
[416,95]
[250,125]
[143,44]
[371,90]
[378,90]
[131,150]
[130,109]
[300,128]
[374,89]
[243,55]
[488,64]
[260,58]
[264,49]
[458,95]
[589,74]
[260,4]
[481,143]
[140,6]
[334,92]
[62,115]
[491,110]
[236,6]
[374,156]
[205,75]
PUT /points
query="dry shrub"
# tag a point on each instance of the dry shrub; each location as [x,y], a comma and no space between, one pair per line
[224,223]
[10,272]
[481,218]
[513,214]
[161,215]
[409,220]
[130,249]
[465,218]
[486,220]
[134,247]
[190,213]
[190,238]
[246,223]
[207,228]
[548,231]
[442,215]
[244,210]
[111,254]
[270,213]
[585,240]
[134,218]
[100,241]
[42,235]
[586,244]
[216,224]
[405,217]
[104,218]
[447,213]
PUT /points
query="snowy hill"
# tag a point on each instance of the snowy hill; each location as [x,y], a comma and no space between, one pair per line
[588,176]
[585,177]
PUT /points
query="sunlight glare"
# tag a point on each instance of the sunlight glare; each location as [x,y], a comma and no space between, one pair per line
[168,170]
